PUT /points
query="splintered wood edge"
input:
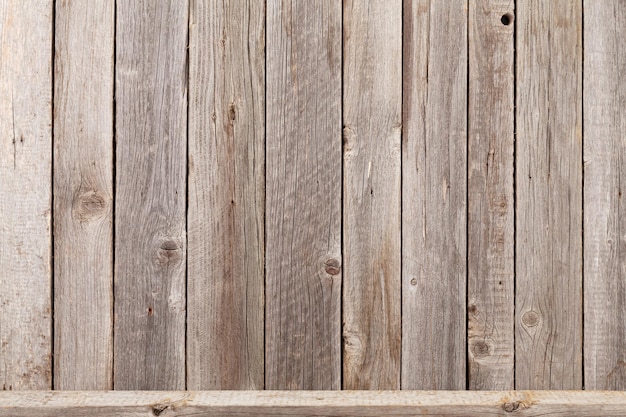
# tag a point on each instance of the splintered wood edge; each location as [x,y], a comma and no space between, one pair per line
[300,403]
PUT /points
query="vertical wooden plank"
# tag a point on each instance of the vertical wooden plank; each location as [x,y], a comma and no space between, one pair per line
[604,225]
[226,195]
[549,195]
[83,183]
[303,215]
[25,197]
[151,105]
[372,105]
[491,233]
[434,195]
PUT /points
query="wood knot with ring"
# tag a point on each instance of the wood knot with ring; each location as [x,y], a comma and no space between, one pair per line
[530,318]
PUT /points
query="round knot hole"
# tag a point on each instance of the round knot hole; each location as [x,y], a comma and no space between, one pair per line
[507,19]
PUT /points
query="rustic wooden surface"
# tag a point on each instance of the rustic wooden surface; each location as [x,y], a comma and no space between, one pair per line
[375,194]
[490,275]
[372,106]
[548,195]
[25,194]
[434,195]
[151,131]
[226,195]
[313,403]
[83,195]
[605,227]
[303,212]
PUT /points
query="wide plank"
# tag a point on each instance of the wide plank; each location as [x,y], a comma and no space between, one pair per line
[313,403]
[372,106]
[25,194]
[150,241]
[605,167]
[225,347]
[548,178]
[434,193]
[491,235]
[303,208]
[83,195]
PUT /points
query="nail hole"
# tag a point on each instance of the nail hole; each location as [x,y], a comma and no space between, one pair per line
[506,19]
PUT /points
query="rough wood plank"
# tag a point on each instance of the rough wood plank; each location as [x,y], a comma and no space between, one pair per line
[226,195]
[434,195]
[605,168]
[303,214]
[549,195]
[491,233]
[372,106]
[83,190]
[25,197]
[313,403]
[151,104]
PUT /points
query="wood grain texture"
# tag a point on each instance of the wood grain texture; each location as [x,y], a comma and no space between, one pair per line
[151,120]
[372,107]
[549,196]
[491,235]
[83,190]
[313,403]
[226,195]
[303,214]
[25,194]
[434,195]
[604,225]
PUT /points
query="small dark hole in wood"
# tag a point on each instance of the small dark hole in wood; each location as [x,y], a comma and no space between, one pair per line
[506,19]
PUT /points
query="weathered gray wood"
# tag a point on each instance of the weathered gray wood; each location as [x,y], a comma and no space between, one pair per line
[604,224]
[25,198]
[83,184]
[151,103]
[226,195]
[434,195]
[490,213]
[303,214]
[548,195]
[372,106]
[308,403]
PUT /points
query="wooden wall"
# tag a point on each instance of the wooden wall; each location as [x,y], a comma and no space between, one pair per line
[324,194]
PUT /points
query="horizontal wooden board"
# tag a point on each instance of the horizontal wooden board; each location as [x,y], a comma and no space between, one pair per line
[313,403]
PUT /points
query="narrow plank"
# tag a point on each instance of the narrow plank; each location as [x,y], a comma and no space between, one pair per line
[309,403]
[303,210]
[434,195]
[83,190]
[25,194]
[548,177]
[604,226]
[491,235]
[226,195]
[372,106]
[151,104]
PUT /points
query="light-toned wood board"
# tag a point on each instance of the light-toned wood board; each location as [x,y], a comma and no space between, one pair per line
[303,209]
[313,403]
[372,106]
[548,313]
[151,135]
[225,347]
[83,190]
[491,235]
[434,144]
[604,169]
[25,194]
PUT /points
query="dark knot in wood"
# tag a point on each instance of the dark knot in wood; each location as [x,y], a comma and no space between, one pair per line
[332,266]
